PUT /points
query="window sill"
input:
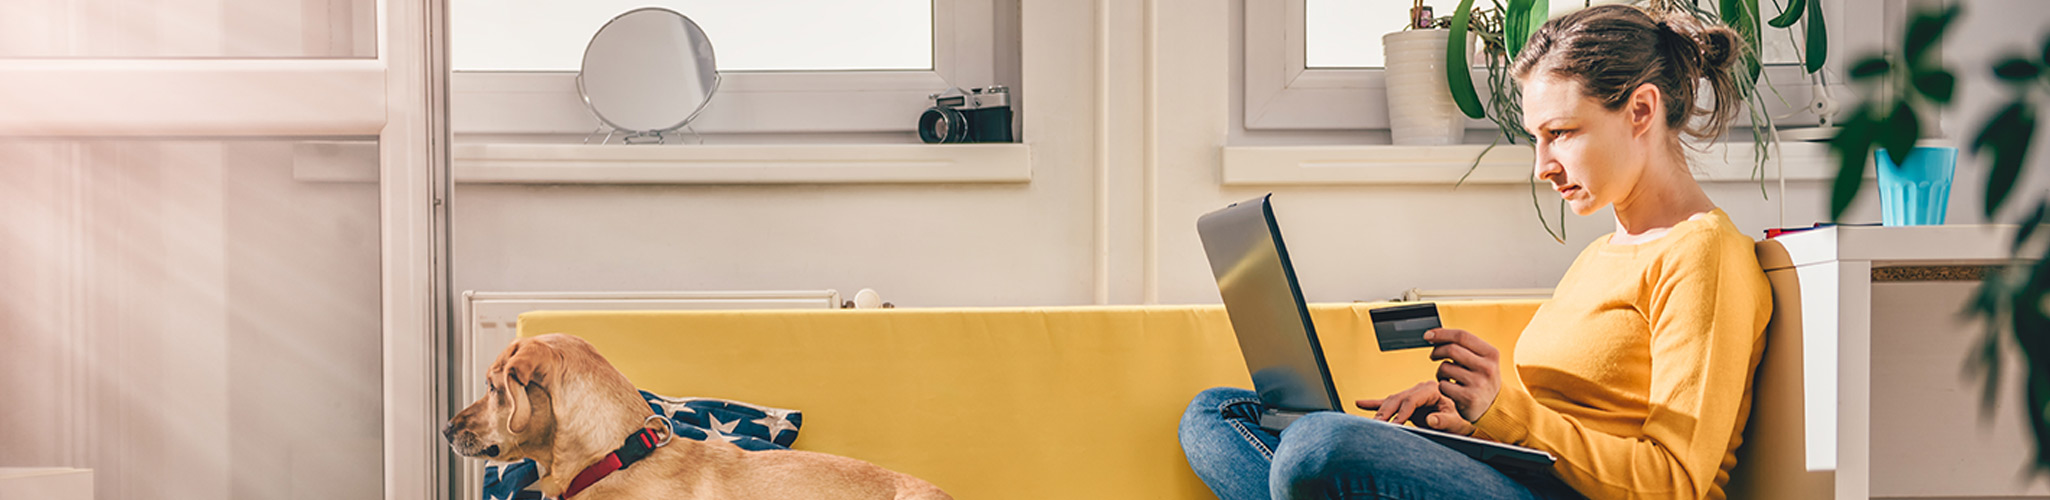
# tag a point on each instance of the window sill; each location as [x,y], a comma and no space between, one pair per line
[1428,165]
[512,163]
[753,164]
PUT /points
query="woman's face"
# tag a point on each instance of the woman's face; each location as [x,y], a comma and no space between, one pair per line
[1591,156]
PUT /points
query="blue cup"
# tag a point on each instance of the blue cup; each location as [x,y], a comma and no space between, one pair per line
[1915,193]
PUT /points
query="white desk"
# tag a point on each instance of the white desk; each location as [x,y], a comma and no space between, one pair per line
[1812,427]
[18,483]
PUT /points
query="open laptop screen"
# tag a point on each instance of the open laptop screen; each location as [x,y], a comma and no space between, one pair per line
[1266,307]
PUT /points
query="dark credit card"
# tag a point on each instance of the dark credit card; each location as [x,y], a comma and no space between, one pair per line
[1403,327]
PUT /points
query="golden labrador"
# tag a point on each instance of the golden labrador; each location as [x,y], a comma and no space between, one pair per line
[553,399]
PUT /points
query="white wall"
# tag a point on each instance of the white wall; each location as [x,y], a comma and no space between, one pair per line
[1130,102]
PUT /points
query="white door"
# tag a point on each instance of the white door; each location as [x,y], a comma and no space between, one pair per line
[218,230]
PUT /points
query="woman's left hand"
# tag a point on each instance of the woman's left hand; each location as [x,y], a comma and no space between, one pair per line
[1470,374]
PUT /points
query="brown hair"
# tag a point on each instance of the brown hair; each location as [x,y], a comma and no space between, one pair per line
[1612,49]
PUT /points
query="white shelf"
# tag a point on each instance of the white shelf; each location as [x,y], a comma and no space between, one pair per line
[1368,165]
[754,164]
[541,163]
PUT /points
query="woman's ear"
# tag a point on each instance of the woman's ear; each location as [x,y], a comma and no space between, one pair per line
[1645,108]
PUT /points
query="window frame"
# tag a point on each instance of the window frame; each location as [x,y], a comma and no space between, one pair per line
[1280,92]
[965,52]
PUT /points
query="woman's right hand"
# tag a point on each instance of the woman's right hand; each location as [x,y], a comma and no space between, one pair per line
[1422,405]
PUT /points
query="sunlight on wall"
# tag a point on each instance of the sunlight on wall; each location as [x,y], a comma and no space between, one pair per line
[189,321]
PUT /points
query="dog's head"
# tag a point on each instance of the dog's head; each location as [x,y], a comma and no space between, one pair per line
[535,388]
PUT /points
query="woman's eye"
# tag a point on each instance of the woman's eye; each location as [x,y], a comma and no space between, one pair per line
[1559,133]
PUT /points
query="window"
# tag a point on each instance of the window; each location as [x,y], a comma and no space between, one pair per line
[1315,64]
[800,66]
[798,35]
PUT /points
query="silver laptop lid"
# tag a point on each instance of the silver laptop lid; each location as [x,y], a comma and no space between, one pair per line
[1266,307]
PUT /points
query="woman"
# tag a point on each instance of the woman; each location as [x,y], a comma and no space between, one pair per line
[1636,374]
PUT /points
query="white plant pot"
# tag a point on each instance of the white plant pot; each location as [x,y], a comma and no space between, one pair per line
[1420,106]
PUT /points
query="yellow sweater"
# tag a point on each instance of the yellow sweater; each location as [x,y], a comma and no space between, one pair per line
[1637,374]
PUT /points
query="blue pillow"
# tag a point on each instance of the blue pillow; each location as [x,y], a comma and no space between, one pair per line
[751,427]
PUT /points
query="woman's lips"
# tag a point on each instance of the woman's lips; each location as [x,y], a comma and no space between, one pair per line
[1568,190]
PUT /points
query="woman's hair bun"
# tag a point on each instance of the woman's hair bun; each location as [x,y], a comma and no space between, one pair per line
[1719,46]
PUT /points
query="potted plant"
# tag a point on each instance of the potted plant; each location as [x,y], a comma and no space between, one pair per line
[1421,110]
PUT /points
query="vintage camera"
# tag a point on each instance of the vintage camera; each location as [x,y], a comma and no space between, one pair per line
[973,115]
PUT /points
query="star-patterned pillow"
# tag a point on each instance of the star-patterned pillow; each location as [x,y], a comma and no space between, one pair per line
[750,427]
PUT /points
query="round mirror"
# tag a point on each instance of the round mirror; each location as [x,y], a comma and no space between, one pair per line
[648,71]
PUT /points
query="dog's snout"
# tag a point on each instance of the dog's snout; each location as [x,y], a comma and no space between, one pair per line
[448,431]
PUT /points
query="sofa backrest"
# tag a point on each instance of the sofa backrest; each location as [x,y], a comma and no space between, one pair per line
[993,403]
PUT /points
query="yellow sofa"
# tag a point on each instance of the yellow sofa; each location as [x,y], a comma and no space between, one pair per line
[995,403]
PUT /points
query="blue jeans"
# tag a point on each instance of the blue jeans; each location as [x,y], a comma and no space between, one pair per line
[1334,455]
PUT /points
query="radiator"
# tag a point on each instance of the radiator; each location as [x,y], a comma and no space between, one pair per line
[490,321]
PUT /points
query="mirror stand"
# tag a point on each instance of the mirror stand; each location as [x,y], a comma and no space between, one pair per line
[645,136]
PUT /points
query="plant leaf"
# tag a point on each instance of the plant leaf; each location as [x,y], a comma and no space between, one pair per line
[1456,71]
[2028,228]
[1818,37]
[1938,85]
[1852,144]
[2031,329]
[1870,67]
[2006,138]
[1924,31]
[2017,70]
[1540,11]
[2046,50]
[1787,17]
[1900,132]
[1742,15]
[1515,29]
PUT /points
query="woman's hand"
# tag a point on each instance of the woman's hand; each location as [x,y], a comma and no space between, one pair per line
[1421,405]
[1470,375]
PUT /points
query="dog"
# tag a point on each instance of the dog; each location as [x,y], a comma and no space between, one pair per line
[555,400]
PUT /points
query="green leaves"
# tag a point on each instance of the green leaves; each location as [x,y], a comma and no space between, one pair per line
[1924,31]
[2017,70]
[1818,37]
[1938,85]
[1853,144]
[2028,227]
[1456,72]
[2006,140]
[1787,17]
[1899,133]
[1870,67]
[1742,15]
[1516,27]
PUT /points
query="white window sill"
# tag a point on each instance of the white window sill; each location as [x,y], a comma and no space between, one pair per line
[1427,165]
[511,163]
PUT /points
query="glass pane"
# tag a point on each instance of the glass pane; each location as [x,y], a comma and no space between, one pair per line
[188,28]
[1347,33]
[787,35]
[192,319]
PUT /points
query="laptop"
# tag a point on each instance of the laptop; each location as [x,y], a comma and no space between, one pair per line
[1272,322]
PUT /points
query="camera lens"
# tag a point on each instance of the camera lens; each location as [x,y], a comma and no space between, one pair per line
[942,125]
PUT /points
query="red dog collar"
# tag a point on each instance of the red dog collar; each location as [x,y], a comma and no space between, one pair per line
[638,445]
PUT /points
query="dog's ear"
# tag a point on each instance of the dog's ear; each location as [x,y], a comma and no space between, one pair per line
[525,364]
[530,362]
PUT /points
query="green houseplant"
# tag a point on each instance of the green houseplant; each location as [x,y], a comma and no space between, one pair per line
[1897,90]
